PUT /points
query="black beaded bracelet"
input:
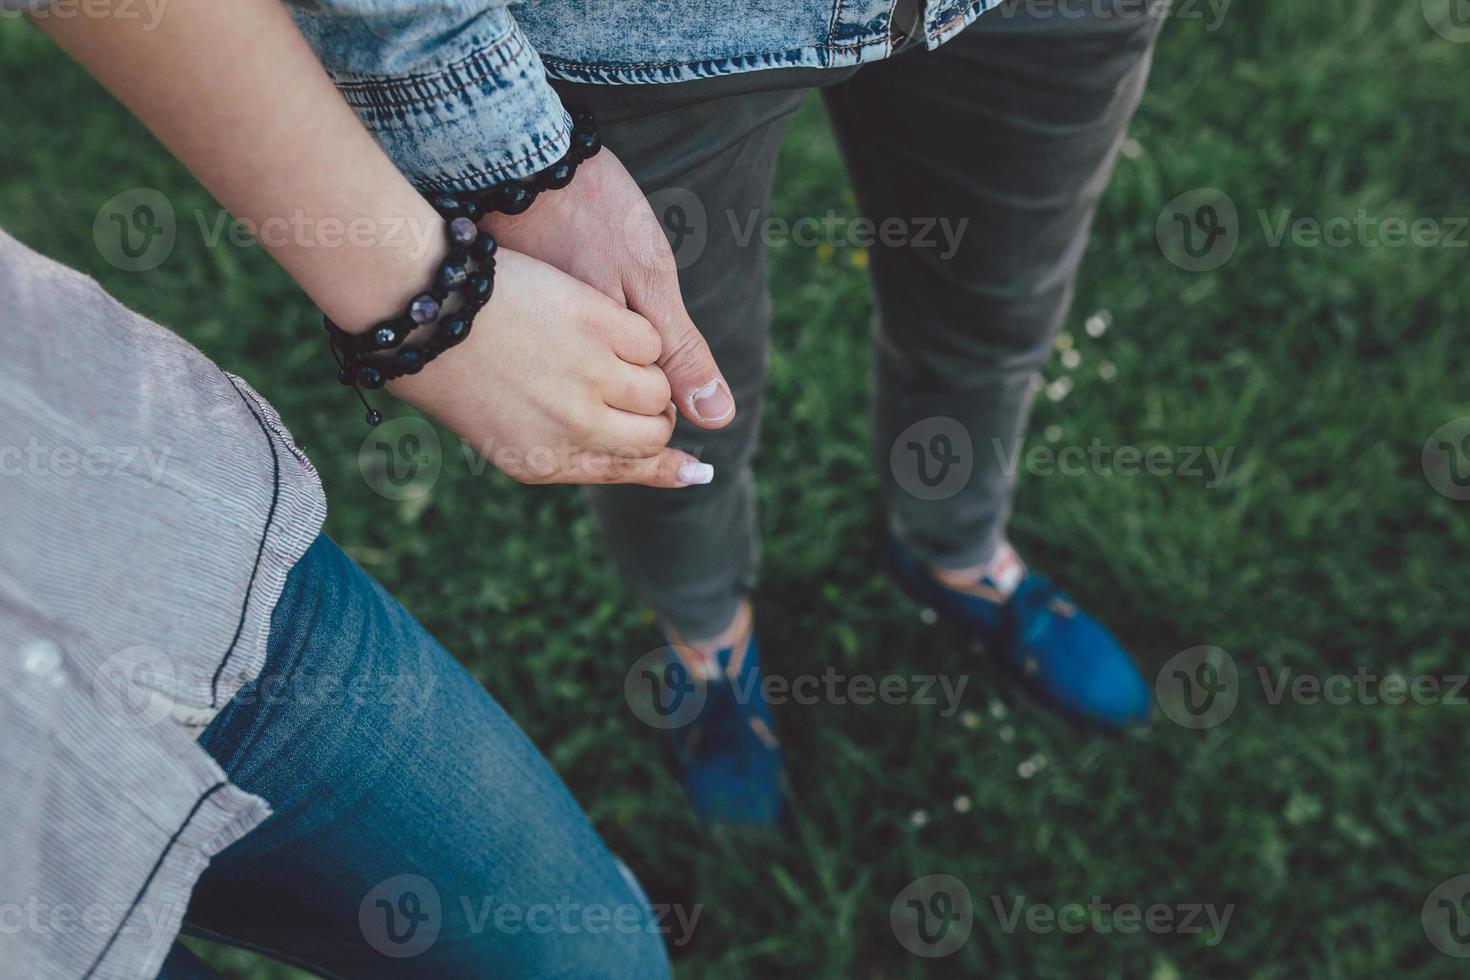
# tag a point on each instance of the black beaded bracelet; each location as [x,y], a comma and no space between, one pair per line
[468,272]
[515,196]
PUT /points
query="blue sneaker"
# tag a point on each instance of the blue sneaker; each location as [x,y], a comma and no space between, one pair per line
[726,755]
[1068,658]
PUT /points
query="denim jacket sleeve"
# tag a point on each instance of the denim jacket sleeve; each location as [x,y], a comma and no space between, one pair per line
[452,89]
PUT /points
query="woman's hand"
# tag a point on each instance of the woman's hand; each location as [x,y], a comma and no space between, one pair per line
[600,229]
[557,383]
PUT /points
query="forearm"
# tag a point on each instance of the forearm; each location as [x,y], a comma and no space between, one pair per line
[237,95]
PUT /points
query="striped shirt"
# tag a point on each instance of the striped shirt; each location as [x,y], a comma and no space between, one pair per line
[153,505]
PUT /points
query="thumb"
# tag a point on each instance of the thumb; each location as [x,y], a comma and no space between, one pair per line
[698,388]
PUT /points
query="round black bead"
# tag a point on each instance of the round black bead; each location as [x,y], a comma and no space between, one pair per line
[385,337]
[485,247]
[373,416]
[557,176]
[423,309]
[462,231]
[369,377]
[451,275]
[446,204]
[587,143]
[455,328]
[479,285]
[409,359]
[513,197]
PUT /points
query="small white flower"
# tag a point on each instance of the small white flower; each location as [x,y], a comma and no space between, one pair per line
[961,804]
[1131,148]
[1026,769]
[1052,433]
[1096,325]
[1058,389]
[919,817]
[1107,370]
[998,709]
[970,719]
[1007,734]
[1064,341]
[1071,358]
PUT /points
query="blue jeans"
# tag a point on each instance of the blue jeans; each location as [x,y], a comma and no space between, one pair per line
[416,832]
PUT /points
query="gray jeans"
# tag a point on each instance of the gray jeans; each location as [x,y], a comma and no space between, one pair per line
[1011,128]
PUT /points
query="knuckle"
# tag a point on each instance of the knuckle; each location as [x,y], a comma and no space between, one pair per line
[686,352]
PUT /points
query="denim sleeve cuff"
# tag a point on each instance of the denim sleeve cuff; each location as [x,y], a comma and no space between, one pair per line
[457,107]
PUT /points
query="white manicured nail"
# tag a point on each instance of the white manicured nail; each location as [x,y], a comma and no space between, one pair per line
[695,474]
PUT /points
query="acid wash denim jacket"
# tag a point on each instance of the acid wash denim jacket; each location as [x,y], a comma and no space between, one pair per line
[457,91]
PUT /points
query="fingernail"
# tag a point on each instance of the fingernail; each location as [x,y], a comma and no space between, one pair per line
[712,401]
[695,474]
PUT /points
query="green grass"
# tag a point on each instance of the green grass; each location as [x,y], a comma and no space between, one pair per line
[1324,548]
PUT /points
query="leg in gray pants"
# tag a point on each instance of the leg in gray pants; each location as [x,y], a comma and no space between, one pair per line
[1010,128]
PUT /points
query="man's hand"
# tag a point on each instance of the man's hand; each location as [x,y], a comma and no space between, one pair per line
[600,230]
[557,384]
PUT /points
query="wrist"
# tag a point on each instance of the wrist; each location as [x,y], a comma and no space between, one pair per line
[380,270]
